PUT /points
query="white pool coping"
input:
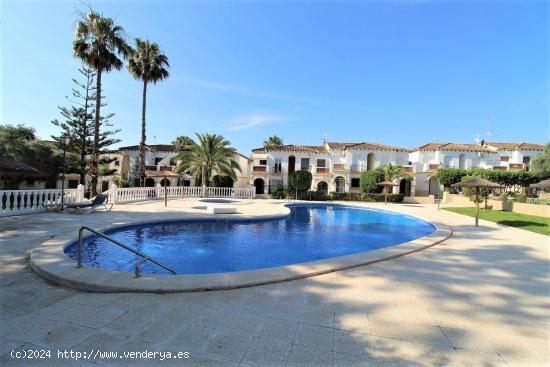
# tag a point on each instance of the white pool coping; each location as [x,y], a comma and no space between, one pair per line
[50,262]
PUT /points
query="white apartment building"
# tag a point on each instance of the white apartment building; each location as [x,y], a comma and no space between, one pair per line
[516,155]
[160,165]
[335,166]
[428,158]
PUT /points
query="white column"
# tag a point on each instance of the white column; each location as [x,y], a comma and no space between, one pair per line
[80,194]
[114,193]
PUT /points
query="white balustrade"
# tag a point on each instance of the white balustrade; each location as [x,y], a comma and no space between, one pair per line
[131,194]
[17,202]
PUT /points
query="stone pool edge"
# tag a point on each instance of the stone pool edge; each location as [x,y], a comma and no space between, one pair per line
[50,262]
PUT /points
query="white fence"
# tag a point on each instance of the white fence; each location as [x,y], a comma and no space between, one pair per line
[119,195]
[17,202]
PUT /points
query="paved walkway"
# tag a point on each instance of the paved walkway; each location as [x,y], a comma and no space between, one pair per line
[480,299]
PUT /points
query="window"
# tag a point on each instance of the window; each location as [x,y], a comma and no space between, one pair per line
[355,182]
[117,163]
[277,167]
[504,158]
[157,160]
[73,184]
[321,163]
[526,160]
[263,162]
[304,164]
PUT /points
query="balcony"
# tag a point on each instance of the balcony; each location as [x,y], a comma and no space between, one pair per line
[408,169]
[499,168]
[516,166]
[259,169]
[433,167]
[339,167]
[322,170]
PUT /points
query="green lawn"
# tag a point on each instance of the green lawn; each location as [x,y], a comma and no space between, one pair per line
[529,222]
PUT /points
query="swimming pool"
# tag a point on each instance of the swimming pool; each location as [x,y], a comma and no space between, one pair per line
[310,232]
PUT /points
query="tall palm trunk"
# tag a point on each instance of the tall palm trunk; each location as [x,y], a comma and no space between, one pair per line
[141,170]
[95,151]
[84,128]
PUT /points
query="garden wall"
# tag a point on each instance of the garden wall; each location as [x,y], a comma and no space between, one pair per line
[540,210]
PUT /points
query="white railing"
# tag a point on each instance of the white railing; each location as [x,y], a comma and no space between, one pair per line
[17,202]
[120,195]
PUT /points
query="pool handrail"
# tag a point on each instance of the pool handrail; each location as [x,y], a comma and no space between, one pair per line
[137,268]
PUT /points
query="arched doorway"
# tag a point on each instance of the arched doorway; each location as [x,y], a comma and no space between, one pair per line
[461,161]
[165,181]
[433,186]
[370,161]
[291,164]
[260,186]
[405,187]
[339,182]
[150,182]
[322,186]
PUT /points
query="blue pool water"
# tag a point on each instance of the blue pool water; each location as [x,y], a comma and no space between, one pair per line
[311,232]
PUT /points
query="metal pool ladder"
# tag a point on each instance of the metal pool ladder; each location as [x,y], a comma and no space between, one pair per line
[137,268]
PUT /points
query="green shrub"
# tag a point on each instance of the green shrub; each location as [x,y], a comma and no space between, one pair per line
[520,198]
[369,197]
[299,181]
[279,193]
[449,176]
[317,195]
[369,180]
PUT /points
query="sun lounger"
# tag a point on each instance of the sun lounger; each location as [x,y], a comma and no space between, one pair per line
[99,201]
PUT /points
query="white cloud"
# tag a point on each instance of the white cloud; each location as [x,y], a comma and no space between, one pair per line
[252,120]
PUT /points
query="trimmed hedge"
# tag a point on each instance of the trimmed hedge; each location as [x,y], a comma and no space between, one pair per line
[510,179]
[369,197]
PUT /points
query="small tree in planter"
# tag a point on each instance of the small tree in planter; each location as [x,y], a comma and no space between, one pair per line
[299,181]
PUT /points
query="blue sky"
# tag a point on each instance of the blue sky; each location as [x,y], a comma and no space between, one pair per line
[395,72]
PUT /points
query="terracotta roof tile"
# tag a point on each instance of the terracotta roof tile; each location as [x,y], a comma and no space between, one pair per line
[514,146]
[291,148]
[376,146]
[455,147]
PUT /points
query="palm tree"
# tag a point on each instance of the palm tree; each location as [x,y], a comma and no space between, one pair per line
[183,140]
[391,173]
[148,64]
[273,141]
[211,153]
[98,43]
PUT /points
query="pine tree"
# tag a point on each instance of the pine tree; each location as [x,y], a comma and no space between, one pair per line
[79,118]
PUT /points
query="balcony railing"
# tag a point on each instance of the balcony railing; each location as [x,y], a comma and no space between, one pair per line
[500,168]
[516,166]
[408,169]
[339,167]
[259,169]
[322,170]
[433,167]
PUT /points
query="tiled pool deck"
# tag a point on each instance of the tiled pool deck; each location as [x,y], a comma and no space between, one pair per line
[481,298]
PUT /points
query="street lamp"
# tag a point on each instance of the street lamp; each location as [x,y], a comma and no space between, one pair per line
[65,140]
